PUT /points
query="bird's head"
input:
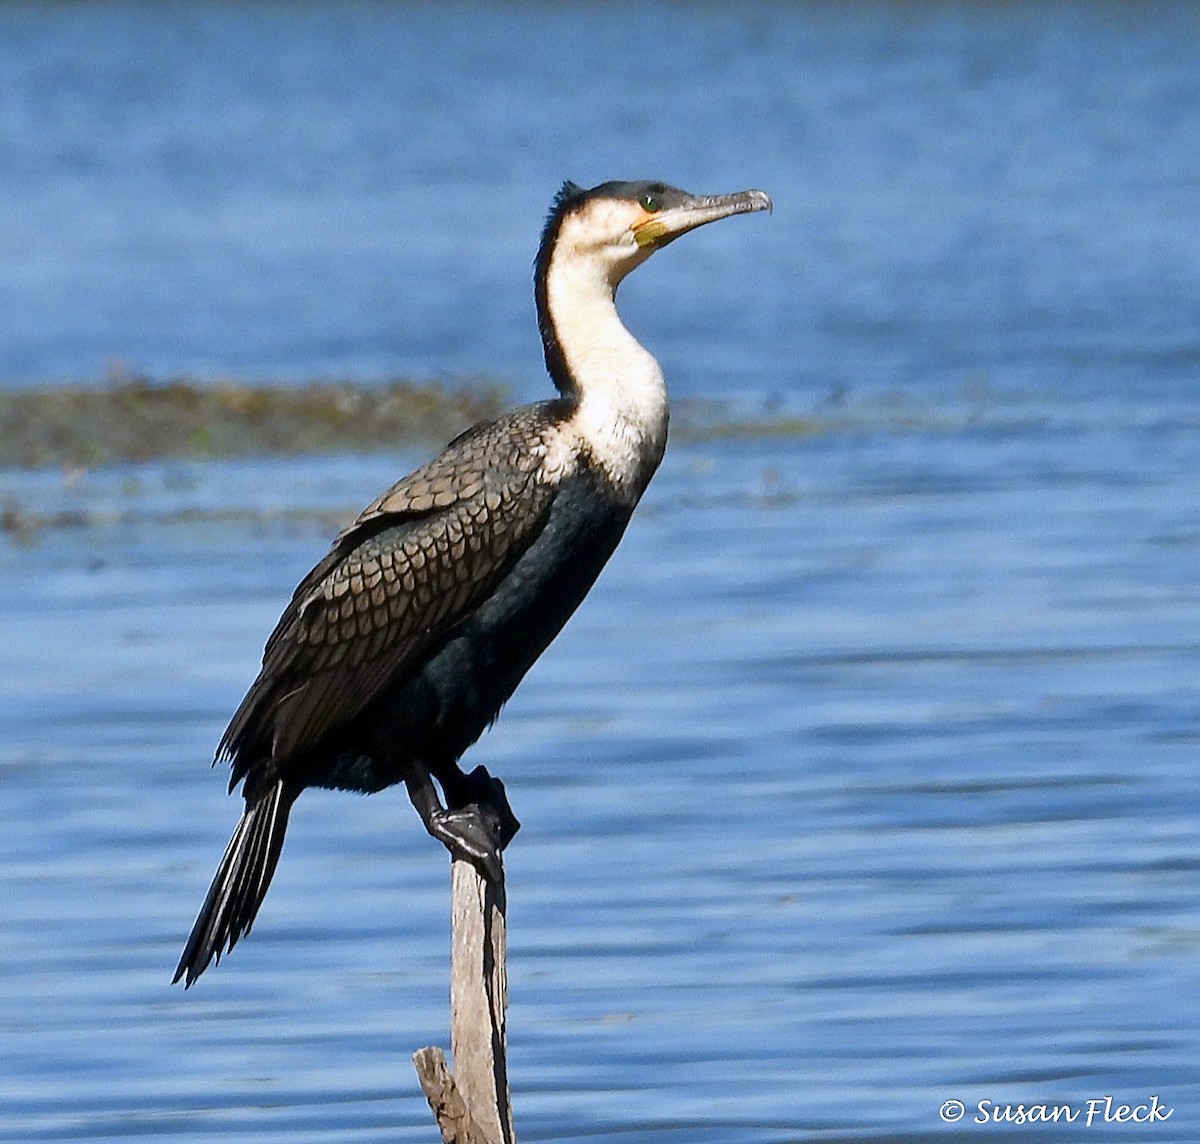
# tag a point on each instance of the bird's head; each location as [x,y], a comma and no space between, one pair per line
[593,238]
[616,226]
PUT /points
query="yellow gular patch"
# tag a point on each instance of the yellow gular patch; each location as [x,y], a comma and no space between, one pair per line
[648,229]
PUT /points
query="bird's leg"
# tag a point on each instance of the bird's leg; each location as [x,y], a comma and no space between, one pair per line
[473,832]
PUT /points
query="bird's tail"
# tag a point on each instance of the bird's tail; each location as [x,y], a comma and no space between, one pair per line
[240,883]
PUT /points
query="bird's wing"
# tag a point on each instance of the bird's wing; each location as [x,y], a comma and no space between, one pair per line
[415,564]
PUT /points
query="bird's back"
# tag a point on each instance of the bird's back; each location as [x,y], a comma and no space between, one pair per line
[430,607]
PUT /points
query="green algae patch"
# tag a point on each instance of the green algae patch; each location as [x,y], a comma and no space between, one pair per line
[142,420]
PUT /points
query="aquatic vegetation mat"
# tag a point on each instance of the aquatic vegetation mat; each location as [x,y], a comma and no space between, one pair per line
[140,419]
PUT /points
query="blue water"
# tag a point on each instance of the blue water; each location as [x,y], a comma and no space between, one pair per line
[864,780]
[964,193]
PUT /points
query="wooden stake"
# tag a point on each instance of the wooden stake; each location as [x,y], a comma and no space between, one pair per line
[472,1105]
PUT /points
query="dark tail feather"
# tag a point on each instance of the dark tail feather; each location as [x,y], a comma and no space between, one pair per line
[240,883]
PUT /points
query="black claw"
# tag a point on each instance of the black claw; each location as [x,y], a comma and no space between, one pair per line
[492,867]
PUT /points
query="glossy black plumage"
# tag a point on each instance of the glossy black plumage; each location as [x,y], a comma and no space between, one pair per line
[401,646]
[404,642]
[413,565]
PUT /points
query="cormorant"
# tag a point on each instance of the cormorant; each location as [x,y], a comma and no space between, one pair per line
[400,647]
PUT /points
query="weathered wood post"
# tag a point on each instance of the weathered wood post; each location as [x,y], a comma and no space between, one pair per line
[472,1104]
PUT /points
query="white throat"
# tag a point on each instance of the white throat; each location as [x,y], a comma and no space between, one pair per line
[622,398]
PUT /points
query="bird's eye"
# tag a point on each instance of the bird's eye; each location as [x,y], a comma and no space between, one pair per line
[652,203]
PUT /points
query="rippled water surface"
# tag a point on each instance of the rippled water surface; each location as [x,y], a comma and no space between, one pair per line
[864,780]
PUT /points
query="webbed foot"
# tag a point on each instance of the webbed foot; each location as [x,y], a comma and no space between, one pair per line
[478,824]
[488,791]
[472,833]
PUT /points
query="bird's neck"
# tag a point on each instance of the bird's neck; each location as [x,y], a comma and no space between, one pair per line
[616,386]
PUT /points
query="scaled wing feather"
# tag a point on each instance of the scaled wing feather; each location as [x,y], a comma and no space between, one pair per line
[413,566]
